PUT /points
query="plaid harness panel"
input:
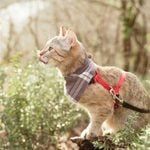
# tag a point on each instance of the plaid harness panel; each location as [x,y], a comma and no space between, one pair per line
[77,82]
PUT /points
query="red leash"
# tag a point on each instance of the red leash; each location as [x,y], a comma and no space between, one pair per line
[113,90]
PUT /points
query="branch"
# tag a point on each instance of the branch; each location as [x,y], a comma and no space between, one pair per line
[104,4]
[34,31]
[85,144]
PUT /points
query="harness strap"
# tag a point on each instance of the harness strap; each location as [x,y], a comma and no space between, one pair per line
[120,83]
[98,79]
[116,88]
[114,91]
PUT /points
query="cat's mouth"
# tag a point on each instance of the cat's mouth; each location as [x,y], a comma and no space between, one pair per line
[43,58]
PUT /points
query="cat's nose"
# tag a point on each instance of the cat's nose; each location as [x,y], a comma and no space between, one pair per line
[39,53]
[42,52]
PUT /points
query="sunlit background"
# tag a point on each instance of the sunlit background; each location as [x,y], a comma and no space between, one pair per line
[35,113]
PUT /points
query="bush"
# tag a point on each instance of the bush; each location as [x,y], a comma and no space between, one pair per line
[36,110]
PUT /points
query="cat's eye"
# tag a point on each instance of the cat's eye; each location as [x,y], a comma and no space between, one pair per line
[50,48]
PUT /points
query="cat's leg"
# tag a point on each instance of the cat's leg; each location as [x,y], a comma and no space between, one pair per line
[92,130]
[96,120]
[117,121]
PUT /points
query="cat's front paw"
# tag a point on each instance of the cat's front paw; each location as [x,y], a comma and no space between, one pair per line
[88,134]
[92,131]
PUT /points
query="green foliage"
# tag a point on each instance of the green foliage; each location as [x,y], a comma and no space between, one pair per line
[144,139]
[2,77]
[36,110]
[128,134]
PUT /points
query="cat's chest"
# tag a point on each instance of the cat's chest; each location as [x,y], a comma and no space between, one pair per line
[94,92]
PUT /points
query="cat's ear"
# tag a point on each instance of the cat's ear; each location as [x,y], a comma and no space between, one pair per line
[62,31]
[72,38]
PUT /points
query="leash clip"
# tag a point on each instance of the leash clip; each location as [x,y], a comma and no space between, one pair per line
[112,92]
[115,96]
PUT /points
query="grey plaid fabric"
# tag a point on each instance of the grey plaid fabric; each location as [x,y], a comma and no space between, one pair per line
[77,82]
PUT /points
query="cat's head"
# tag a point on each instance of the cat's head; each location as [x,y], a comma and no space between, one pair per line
[62,50]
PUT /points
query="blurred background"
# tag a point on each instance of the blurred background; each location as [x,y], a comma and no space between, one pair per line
[35,114]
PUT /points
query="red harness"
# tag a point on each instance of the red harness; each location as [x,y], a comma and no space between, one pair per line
[115,89]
